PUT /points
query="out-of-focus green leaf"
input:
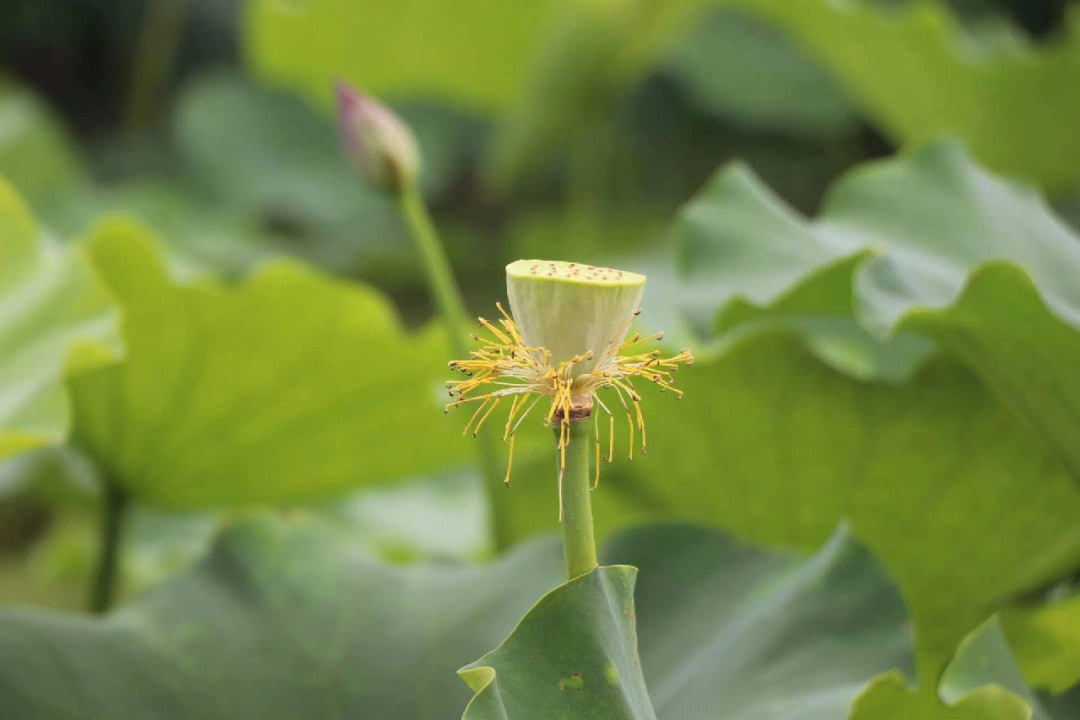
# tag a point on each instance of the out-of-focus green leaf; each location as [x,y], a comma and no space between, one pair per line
[49,299]
[730,631]
[440,517]
[268,156]
[267,151]
[735,67]
[597,53]
[927,246]
[635,102]
[918,74]
[982,682]
[53,571]
[985,658]
[55,473]
[940,479]
[1062,707]
[1046,639]
[286,386]
[283,619]
[444,516]
[37,155]
[474,52]
[287,618]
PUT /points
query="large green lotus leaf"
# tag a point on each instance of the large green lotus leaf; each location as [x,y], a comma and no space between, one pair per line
[289,618]
[286,386]
[38,157]
[919,75]
[49,299]
[964,506]
[283,619]
[729,631]
[473,52]
[1046,640]
[586,624]
[268,151]
[37,154]
[981,682]
[444,516]
[1062,707]
[736,67]
[926,246]
[653,94]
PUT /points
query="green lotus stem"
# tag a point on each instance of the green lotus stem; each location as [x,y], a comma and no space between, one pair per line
[579,544]
[154,55]
[447,296]
[103,588]
[440,276]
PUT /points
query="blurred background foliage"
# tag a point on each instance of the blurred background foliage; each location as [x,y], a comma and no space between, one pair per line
[560,128]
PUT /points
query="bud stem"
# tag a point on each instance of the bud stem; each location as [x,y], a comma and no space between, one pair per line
[447,297]
[440,276]
[579,545]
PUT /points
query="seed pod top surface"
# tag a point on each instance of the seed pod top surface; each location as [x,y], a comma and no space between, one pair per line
[572,309]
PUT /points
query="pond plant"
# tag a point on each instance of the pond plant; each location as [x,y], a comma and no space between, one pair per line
[566,339]
[866,507]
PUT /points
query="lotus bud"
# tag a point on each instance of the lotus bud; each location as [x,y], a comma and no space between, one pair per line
[382,147]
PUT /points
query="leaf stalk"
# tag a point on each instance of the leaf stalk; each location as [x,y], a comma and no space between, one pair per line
[103,587]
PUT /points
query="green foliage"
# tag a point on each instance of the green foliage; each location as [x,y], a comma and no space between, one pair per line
[1046,639]
[730,631]
[941,480]
[903,363]
[286,386]
[267,154]
[48,299]
[920,75]
[930,244]
[724,627]
[282,619]
[245,173]
[472,52]
[736,67]
[586,624]
[36,153]
[948,476]
[982,682]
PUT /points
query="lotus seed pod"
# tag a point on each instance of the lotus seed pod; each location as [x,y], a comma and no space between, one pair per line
[382,148]
[571,309]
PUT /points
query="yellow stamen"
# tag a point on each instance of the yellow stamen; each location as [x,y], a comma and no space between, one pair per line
[596,437]
[477,428]
[504,365]
[478,410]
[509,463]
